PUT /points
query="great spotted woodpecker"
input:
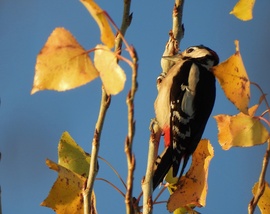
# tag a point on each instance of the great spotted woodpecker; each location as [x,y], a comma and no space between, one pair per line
[183,105]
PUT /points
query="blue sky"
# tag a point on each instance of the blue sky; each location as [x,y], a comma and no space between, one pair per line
[31,126]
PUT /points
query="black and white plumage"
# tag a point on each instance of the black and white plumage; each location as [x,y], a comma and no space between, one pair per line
[184,103]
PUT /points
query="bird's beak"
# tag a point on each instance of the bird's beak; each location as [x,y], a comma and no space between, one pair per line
[173,58]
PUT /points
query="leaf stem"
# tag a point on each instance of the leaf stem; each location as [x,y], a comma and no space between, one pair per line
[260,89]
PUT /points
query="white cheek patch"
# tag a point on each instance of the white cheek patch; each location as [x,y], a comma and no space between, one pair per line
[197,53]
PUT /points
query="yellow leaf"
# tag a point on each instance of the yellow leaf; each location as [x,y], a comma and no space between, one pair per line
[240,130]
[252,110]
[66,194]
[234,80]
[171,180]
[62,64]
[264,202]
[107,36]
[193,186]
[72,156]
[73,165]
[243,9]
[112,75]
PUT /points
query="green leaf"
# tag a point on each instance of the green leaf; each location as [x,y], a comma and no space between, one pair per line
[72,156]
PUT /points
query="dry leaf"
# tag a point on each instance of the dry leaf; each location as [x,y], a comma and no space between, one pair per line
[62,64]
[112,75]
[193,186]
[240,130]
[233,78]
[264,202]
[66,194]
[73,165]
[243,9]
[107,36]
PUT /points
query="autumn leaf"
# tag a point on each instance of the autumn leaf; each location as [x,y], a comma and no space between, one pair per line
[240,130]
[66,194]
[234,80]
[252,110]
[112,75]
[264,202]
[72,156]
[62,64]
[192,189]
[243,9]
[171,180]
[107,36]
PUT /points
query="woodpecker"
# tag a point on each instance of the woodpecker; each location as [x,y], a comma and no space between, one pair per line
[183,105]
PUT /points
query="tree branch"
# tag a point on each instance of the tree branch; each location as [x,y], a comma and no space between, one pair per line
[175,37]
[147,184]
[178,29]
[126,21]
[105,102]
[104,105]
[131,132]
[171,48]
[261,184]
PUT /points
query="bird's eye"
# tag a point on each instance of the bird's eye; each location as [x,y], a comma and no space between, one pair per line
[190,50]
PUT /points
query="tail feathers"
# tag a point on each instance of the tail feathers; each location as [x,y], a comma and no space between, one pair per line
[165,161]
[176,165]
[162,166]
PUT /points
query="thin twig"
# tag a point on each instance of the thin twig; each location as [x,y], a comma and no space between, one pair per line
[110,183]
[260,89]
[261,184]
[104,105]
[130,176]
[175,37]
[130,136]
[105,102]
[126,21]
[159,194]
[264,120]
[265,112]
[114,170]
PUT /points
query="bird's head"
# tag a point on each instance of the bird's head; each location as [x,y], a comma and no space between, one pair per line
[205,56]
